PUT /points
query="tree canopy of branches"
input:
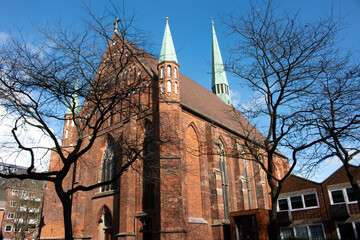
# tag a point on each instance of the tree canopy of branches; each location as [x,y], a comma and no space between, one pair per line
[280,59]
[37,86]
[332,110]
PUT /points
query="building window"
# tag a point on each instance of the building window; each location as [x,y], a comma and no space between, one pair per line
[175,73]
[176,87]
[12,204]
[8,228]
[162,88]
[10,215]
[15,192]
[149,172]
[301,202]
[109,166]
[68,122]
[343,195]
[162,72]
[66,133]
[246,173]
[349,230]
[168,86]
[168,71]
[224,179]
[304,232]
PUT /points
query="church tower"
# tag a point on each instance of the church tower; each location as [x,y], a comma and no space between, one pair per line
[219,83]
[168,68]
[172,213]
[69,123]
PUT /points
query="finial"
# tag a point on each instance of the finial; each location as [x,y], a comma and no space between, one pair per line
[212,22]
[116,24]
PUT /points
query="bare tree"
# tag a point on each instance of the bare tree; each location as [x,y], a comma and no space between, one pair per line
[37,86]
[333,110]
[278,58]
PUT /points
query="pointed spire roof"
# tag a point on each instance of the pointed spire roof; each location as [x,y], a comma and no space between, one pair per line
[74,100]
[167,49]
[218,71]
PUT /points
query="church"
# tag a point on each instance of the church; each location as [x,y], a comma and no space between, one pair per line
[185,186]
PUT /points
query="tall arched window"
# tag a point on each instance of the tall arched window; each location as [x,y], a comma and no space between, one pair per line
[175,73]
[109,166]
[176,87]
[193,173]
[168,87]
[224,179]
[162,87]
[149,168]
[162,72]
[247,179]
[168,71]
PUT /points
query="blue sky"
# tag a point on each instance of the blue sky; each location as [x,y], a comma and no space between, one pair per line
[190,23]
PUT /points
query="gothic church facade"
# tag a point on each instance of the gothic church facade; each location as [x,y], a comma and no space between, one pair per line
[210,175]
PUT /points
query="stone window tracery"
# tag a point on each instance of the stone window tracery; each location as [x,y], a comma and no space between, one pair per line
[109,166]
[224,179]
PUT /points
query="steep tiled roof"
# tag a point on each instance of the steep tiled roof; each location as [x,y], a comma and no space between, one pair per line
[201,101]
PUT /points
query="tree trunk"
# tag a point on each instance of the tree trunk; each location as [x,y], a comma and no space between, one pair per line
[353,183]
[273,218]
[66,202]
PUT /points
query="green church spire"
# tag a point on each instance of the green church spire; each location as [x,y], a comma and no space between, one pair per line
[74,100]
[219,83]
[167,49]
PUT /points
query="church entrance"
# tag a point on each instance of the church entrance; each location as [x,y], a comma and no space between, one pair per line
[249,224]
[105,225]
[246,228]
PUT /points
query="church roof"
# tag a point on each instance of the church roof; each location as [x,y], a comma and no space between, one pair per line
[200,101]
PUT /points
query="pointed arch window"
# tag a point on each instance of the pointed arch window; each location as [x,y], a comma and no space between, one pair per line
[162,87]
[175,73]
[168,87]
[224,179]
[162,72]
[109,166]
[176,87]
[246,173]
[168,74]
[149,170]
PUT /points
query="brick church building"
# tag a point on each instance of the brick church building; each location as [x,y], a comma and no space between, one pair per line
[200,176]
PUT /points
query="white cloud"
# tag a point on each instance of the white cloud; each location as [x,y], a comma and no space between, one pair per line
[4,37]
[30,137]
[235,97]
